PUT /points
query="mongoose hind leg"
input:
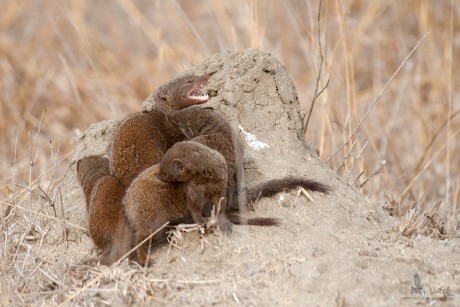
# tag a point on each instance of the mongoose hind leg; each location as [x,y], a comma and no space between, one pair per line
[121,244]
[142,251]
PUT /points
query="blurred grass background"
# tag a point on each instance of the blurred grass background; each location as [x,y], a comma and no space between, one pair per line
[67,64]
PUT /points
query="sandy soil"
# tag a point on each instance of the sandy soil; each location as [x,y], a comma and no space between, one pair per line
[337,249]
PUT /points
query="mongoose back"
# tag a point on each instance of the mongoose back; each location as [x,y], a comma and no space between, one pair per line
[190,173]
[206,126]
[142,138]
[103,193]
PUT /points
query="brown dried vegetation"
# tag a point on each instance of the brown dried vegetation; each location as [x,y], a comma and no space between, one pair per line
[66,64]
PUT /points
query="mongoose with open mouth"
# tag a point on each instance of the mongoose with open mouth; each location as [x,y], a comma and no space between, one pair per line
[142,139]
[139,142]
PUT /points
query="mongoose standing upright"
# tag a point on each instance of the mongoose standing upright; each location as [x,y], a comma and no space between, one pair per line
[194,172]
[206,126]
[142,138]
[103,193]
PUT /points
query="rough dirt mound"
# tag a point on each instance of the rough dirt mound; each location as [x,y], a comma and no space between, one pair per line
[337,249]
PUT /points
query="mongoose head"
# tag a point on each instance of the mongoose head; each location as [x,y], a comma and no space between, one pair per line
[186,160]
[175,170]
[178,164]
[183,92]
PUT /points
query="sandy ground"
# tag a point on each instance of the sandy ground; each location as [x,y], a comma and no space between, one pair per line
[333,249]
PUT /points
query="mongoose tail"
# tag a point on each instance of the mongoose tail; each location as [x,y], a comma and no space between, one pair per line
[238,219]
[275,186]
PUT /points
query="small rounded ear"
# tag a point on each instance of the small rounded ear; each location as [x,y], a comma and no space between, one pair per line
[178,166]
[163,96]
[162,92]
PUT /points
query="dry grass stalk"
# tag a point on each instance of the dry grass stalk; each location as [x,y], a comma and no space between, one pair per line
[106,272]
[175,233]
[358,126]
[59,56]
[417,221]
[317,92]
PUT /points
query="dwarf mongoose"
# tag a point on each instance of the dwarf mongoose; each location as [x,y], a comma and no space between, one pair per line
[103,192]
[193,173]
[208,127]
[141,139]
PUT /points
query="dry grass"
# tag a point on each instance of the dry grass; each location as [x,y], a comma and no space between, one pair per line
[66,64]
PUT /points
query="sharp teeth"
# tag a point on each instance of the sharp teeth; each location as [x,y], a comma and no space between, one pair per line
[200,96]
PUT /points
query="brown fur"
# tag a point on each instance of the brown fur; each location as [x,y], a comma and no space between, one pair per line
[190,173]
[142,138]
[89,171]
[103,193]
[206,126]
